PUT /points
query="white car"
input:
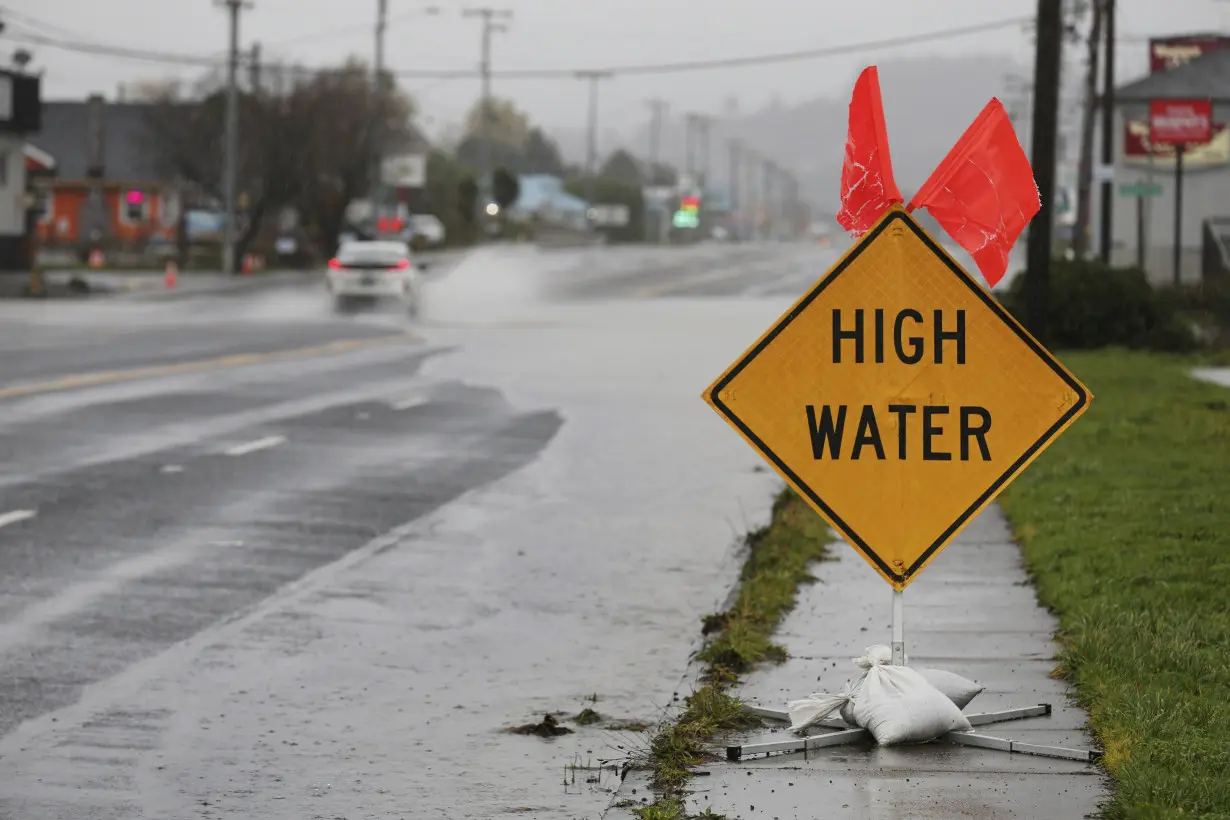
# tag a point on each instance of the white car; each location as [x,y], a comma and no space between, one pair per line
[370,271]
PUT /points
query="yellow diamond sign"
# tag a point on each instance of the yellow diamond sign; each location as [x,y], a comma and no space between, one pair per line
[897,397]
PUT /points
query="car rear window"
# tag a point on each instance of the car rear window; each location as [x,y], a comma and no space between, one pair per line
[358,255]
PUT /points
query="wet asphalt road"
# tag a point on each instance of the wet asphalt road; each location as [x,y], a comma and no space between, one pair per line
[173,465]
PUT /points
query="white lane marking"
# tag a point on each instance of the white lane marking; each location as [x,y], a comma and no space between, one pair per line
[362,416]
[172,468]
[15,516]
[253,446]
[410,402]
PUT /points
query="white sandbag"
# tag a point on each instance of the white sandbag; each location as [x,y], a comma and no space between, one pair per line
[814,708]
[958,689]
[895,703]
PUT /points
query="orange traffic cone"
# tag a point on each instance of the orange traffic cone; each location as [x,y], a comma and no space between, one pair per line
[171,277]
[96,258]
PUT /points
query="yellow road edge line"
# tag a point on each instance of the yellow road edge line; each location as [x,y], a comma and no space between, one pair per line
[79,380]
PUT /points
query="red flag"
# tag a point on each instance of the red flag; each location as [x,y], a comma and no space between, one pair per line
[867,185]
[983,193]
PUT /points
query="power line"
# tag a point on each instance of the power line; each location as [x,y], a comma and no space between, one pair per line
[102,49]
[336,31]
[30,21]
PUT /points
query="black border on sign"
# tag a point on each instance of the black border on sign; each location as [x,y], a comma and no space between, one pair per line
[990,302]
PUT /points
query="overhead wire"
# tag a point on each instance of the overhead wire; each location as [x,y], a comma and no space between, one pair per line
[207,61]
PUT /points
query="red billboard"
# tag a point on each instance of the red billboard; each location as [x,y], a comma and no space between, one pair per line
[1166,53]
[1180,122]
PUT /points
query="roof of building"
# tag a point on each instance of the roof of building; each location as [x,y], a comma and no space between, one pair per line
[126,144]
[1206,77]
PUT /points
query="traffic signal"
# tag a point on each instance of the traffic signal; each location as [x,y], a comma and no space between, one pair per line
[688,215]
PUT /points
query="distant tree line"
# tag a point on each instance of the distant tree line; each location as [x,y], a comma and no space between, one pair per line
[307,138]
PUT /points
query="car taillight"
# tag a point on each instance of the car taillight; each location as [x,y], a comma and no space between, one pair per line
[403,264]
[335,264]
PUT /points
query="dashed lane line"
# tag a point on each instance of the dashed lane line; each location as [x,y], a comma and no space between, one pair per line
[253,446]
[15,516]
[410,402]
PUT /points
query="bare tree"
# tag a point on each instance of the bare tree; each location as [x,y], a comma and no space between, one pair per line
[303,144]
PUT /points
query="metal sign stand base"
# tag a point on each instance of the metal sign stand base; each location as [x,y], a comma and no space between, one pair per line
[842,734]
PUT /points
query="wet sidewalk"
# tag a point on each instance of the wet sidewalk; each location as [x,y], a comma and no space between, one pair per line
[972,612]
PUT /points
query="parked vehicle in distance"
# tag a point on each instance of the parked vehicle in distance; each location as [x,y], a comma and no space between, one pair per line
[425,231]
[369,271]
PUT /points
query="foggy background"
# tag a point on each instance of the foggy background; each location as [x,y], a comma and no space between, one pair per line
[792,111]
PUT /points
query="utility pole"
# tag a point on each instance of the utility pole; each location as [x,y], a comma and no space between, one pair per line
[254,69]
[231,145]
[766,197]
[658,111]
[1106,238]
[751,191]
[702,135]
[689,129]
[375,187]
[1084,184]
[735,149]
[1048,47]
[490,18]
[591,139]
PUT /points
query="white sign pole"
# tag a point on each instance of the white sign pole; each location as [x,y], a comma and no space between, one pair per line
[898,628]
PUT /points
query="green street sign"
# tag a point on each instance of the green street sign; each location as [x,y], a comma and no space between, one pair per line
[1140,189]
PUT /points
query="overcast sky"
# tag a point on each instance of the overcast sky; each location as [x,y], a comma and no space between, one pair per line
[563,34]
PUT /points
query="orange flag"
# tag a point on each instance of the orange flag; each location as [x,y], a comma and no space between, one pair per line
[983,193]
[867,185]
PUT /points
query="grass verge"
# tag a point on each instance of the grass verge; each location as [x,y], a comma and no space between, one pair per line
[777,564]
[1125,525]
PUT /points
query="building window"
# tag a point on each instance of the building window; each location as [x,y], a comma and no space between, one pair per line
[134,207]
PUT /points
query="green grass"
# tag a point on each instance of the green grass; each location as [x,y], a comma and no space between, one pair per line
[777,564]
[1125,524]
